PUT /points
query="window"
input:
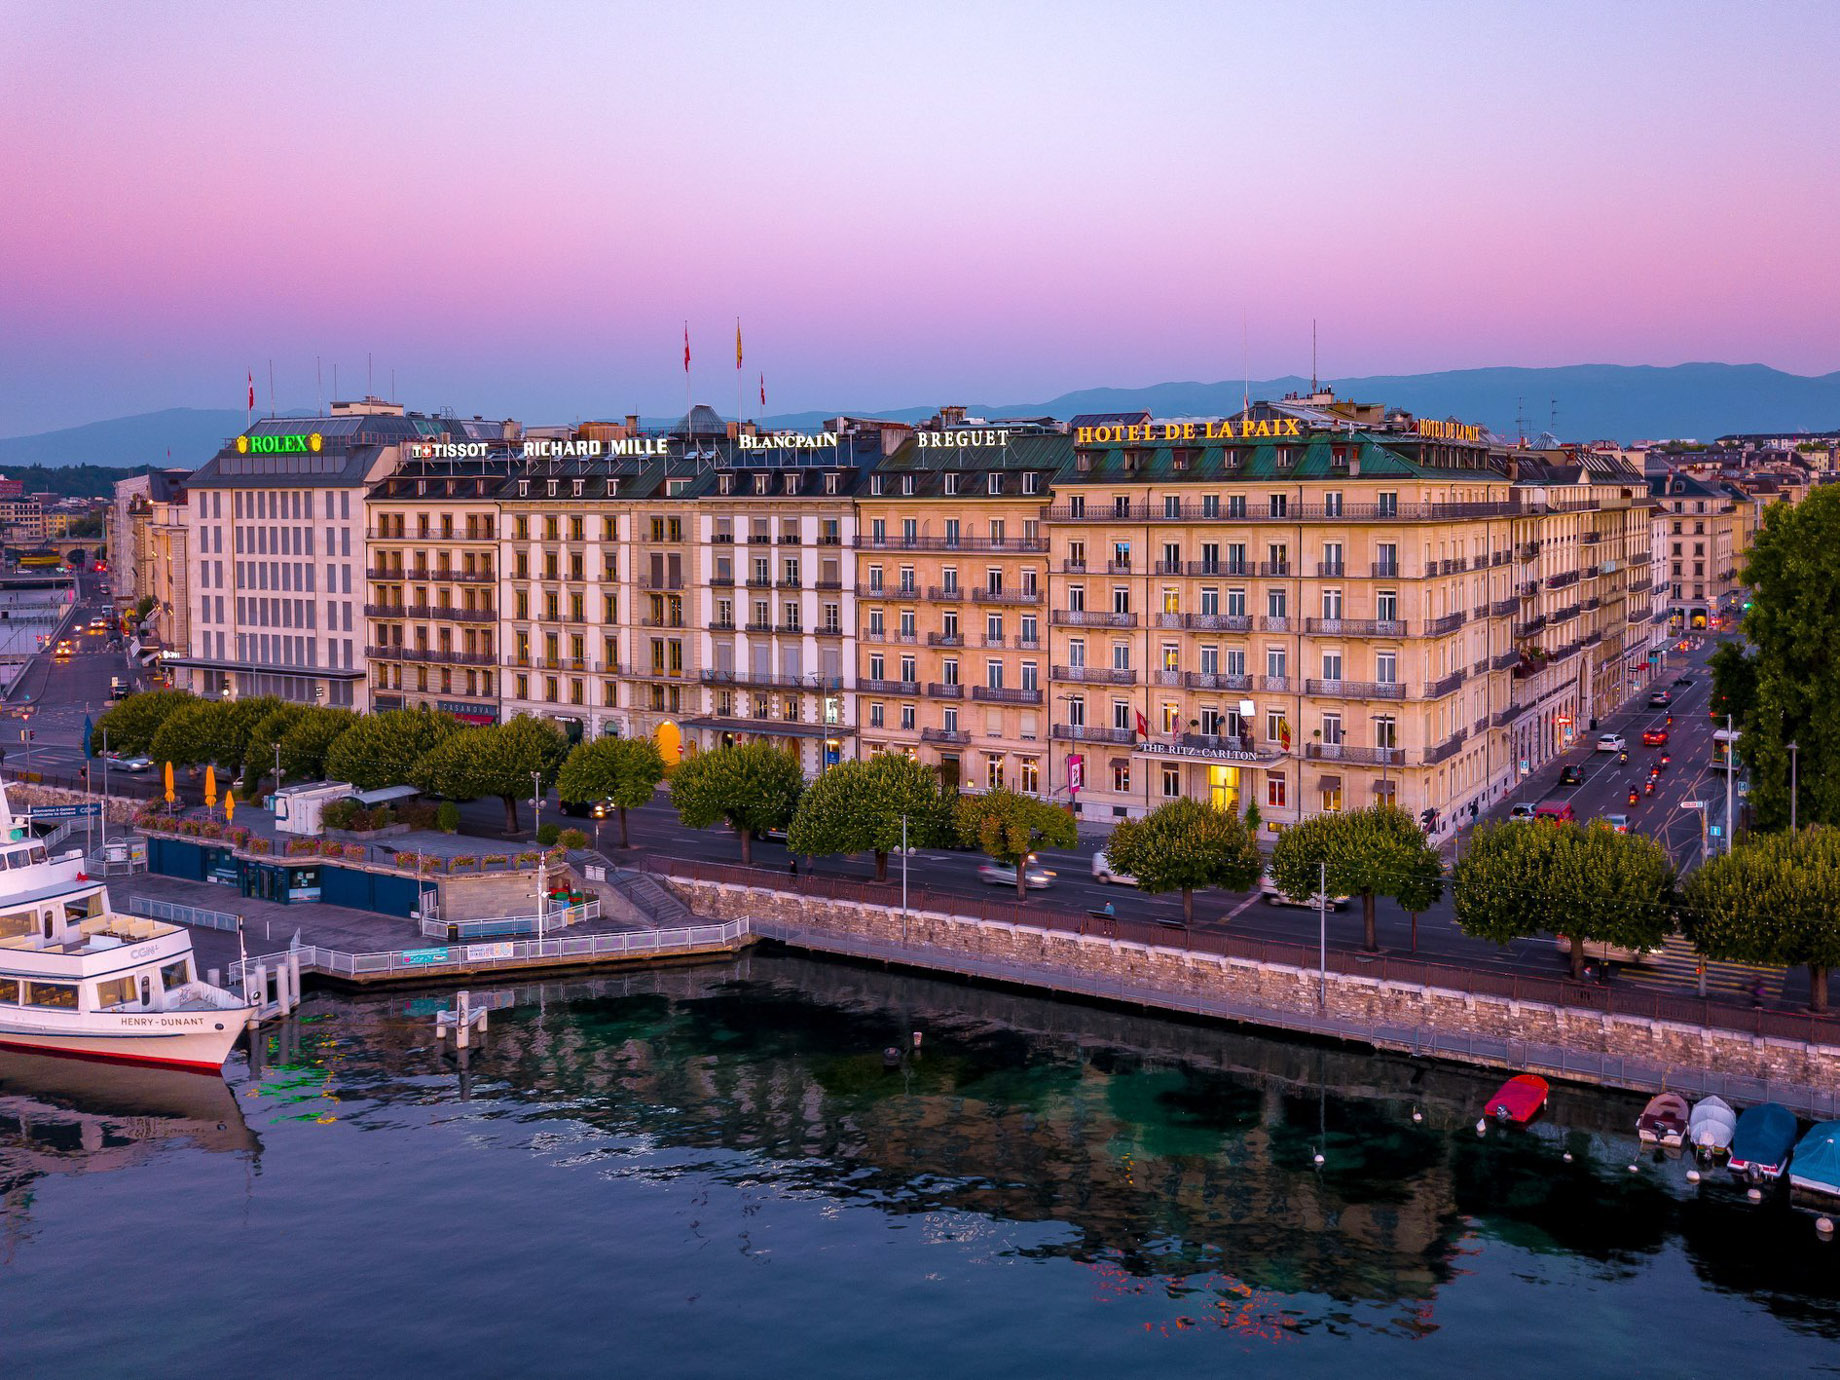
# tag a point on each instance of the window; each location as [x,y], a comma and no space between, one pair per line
[1274,789]
[1332,798]
[1276,661]
[1028,770]
[1332,664]
[1276,603]
[1389,505]
[876,714]
[1172,781]
[907,718]
[1278,505]
[993,766]
[1386,667]
[1332,603]
[1386,605]
[1076,711]
[1121,775]
[1332,504]
[1331,730]
[1122,715]
[58,996]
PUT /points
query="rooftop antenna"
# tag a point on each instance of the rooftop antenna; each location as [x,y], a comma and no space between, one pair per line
[1313,386]
[1245,362]
[319,388]
[1552,417]
[368,388]
[1520,421]
[335,380]
[271,388]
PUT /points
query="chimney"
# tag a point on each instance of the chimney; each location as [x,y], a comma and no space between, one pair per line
[632,423]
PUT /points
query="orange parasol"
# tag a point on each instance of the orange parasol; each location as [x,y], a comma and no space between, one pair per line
[170,796]
[210,786]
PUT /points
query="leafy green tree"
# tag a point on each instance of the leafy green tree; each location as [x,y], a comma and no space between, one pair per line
[1587,882]
[1374,852]
[268,733]
[751,787]
[1734,683]
[379,750]
[1793,628]
[305,744]
[1008,827]
[131,724]
[1774,899]
[624,770]
[494,760]
[858,807]
[197,733]
[1182,845]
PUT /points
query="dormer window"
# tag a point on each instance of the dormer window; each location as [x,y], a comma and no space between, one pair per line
[1284,457]
[725,483]
[993,483]
[552,488]
[421,488]
[523,488]
[792,481]
[875,486]
[951,484]
[907,484]
[831,482]
[761,483]
[613,487]
[578,487]
[1031,483]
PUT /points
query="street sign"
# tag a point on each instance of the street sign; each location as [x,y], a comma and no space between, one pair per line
[1076,772]
[64,811]
[1717,831]
[1692,804]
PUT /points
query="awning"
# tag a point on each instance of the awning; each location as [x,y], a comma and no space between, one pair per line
[1329,783]
[385,795]
[771,728]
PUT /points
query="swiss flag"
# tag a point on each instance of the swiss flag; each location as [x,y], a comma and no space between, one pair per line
[1143,725]
[686,347]
[252,391]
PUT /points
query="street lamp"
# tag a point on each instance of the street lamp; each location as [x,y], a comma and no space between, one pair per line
[1794,749]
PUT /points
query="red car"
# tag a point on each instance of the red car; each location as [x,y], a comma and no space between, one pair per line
[1654,737]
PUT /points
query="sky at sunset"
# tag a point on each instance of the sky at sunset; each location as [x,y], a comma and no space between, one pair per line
[517,207]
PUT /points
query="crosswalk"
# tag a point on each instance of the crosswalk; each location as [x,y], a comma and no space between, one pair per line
[1676,967]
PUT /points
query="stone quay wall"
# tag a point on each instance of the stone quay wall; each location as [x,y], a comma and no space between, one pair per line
[1287,996]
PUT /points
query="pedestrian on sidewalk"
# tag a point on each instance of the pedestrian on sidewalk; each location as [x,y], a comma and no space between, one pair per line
[792,867]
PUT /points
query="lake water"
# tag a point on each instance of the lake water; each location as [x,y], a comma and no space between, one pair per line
[713,1171]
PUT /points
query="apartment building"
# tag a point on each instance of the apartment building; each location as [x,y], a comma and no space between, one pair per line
[952,604]
[432,567]
[275,553]
[697,588]
[1705,547]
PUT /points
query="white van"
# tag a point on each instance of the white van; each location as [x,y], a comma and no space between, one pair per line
[1102,871]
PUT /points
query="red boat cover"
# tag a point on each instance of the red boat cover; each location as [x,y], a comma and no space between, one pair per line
[1519,1099]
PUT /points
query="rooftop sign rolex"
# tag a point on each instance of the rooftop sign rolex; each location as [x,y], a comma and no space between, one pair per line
[279,445]
[789,440]
[1229,429]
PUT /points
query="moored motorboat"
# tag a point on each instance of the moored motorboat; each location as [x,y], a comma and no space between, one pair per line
[1815,1168]
[79,979]
[1710,1126]
[1762,1141]
[1519,1100]
[1663,1120]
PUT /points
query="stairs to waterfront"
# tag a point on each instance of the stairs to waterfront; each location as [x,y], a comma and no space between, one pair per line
[651,897]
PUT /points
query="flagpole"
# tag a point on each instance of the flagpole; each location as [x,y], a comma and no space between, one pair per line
[686,386]
[737,379]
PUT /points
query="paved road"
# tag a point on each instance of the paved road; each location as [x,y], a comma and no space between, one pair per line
[50,699]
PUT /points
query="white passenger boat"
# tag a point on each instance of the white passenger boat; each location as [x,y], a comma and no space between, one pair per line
[78,979]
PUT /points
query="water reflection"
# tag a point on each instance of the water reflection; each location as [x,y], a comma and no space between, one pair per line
[1165,1158]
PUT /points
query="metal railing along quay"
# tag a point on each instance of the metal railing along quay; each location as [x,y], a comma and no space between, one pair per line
[153,908]
[1603,999]
[501,954]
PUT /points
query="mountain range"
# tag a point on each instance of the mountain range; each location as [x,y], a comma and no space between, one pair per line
[1583,402]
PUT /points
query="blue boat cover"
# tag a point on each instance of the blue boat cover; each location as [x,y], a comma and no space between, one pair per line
[1817,1156]
[1764,1134]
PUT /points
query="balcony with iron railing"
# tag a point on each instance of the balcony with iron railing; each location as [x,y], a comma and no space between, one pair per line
[1450,622]
[1356,689]
[1355,756]
[435,656]
[957,736]
[1277,685]
[1386,570]
[1562,579]
[940,639]
[438,612]
[1331,570]
[1001,694]
[1090,733]
[1214,680]
[1200,511]
[1437,689]
[897,591]
[1277,623]
[899,639]
[1501,608]
[1091,618]
[770,680]
[1447,748]
[1206,622]
[1219,568]
[986,594]
[942,690]
[872,686]
[1356,627]
[1242,745]
[990,545]
[1274,569]
[1094,675]
[945,594]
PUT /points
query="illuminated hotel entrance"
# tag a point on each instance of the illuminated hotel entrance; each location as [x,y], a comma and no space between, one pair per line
[1224,787]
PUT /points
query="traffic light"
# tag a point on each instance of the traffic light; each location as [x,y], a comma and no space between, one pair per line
[1428,819]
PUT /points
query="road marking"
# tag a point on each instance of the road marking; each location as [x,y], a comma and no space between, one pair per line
[1244,905]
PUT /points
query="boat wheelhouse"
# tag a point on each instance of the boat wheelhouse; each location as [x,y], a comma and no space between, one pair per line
[77,978]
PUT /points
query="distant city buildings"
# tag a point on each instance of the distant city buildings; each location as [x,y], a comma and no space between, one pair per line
[1309,606]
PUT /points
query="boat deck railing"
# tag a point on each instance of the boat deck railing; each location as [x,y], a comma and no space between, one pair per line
[155,909]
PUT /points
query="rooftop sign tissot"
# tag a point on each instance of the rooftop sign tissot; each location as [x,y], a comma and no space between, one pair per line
[279,445]
[1228,429]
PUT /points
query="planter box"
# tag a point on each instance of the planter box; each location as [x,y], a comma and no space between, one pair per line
[367,835]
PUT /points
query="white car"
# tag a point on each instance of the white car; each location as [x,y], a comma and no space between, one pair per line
[120,763]
[1002,874]
[1103,871]
[1524,810]
[1611,742]
[1275,896]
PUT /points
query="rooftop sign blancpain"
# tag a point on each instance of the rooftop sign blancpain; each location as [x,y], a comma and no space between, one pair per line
[790,440]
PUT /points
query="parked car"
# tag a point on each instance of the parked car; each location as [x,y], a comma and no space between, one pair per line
[1103,872]
[1570,776]
[1559,811]
[1002,874]
[1275,896]
[1524,810]
[1654,737]
[1611,742]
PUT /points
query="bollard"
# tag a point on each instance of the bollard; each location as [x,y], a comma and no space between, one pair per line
[461,1023]
[294,976]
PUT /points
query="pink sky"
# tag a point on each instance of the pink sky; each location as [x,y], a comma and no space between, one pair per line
[516,208]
